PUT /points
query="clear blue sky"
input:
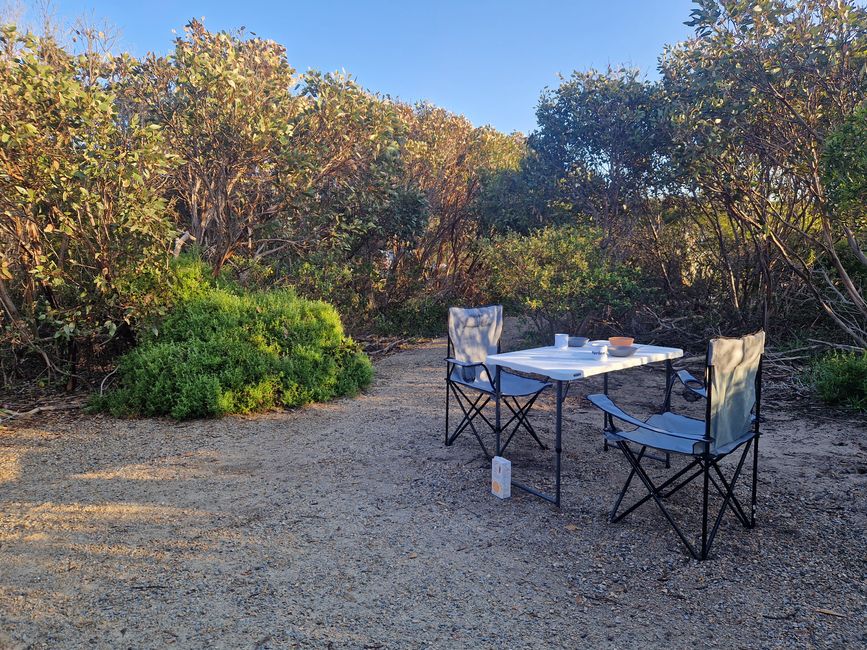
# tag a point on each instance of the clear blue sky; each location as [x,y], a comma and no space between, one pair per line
[486,59]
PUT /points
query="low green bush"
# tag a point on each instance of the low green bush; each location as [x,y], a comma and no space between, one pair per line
[841,379]
[225,350]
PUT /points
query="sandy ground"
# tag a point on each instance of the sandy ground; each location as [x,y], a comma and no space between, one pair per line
[351,525]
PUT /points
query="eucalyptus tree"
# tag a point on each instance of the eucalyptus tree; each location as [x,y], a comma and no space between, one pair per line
[226,105]
[753,98]
[603,137]
[450,161]
[83,227]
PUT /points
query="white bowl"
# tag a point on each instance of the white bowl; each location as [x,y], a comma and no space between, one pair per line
[622,350]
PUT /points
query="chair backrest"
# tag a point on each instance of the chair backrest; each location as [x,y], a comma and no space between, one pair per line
[734,379]
[475,333]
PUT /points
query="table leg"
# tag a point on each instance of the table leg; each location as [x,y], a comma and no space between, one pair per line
[559,440]
[497,406]
[558,451]
[666,404]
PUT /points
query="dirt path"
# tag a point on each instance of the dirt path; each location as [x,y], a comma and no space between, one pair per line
[351,525]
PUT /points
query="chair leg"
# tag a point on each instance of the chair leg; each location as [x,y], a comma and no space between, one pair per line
[473,410]
[755,481]
[447,410]
[707,467]
[734,504]
[613,516]
[520,417]
[706,474]
[663,486]
[729,494]
[654,493]
[525,422]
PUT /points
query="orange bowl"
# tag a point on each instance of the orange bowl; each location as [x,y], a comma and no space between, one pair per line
[620,341]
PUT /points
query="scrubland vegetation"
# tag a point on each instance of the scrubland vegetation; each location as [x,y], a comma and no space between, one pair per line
[193,210]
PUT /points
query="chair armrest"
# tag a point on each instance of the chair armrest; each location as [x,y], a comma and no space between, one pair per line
[463,364]
[604,403]
[691,383]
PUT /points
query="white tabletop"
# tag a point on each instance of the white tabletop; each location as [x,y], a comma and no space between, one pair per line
[577,363]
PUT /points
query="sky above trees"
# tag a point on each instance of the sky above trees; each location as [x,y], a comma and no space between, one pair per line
[486,59]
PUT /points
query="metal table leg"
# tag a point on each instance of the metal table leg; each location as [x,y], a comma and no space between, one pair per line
[558,450]
[607,421]
[666,404]
[497,407]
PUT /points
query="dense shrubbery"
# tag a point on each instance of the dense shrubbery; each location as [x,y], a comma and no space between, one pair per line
[561,278]
[726,196]
[841,379]
[83,222]
[225,350]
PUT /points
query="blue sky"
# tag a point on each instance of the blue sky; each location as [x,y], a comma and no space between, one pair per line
[485,59]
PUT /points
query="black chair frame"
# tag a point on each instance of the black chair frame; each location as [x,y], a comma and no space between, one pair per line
[473,408]
[705,465]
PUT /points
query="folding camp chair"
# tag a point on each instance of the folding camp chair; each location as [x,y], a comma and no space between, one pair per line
[732,390]
[473,335]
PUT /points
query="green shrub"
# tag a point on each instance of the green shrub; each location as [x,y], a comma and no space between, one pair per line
[841,379]
[561,278]
[224,350]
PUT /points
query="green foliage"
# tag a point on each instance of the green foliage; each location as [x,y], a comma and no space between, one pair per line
[421,316]
[845,163]
[604,136]
[231,351]
[845,176]
[560,277]
[735,185]
[83,226]
[841,379]
[753,98]
[226,105]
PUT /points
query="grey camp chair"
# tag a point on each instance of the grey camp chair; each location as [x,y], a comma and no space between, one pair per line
[473,335]
[732,390]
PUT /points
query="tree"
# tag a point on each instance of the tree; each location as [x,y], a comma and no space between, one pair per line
[845,176]
[601,155]
[604,138]
[82,217]
[450,161]
[754,97]
[226,106]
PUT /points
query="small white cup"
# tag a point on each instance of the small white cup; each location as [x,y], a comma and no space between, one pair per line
[561,341]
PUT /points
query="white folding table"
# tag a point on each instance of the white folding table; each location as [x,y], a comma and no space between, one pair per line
[566,365]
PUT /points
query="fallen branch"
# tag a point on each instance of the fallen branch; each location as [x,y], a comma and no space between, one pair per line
[828,612]
[11,415]
[838,346]
[105,379]
[388,348]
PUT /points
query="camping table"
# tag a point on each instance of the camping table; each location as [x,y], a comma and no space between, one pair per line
[563,366]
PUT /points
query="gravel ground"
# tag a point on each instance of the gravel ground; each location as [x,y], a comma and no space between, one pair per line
[351,525]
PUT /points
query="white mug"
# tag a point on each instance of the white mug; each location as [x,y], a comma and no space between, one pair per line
[561,341]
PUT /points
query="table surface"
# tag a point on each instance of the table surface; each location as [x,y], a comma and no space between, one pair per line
[578,363]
